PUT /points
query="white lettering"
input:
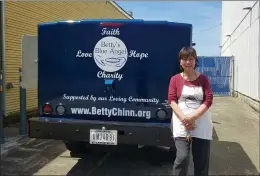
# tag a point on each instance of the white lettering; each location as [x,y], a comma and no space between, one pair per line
[118,52]
[81,54]
[99,111]
[100,51]
[143,100]
[93,98]
[106,31]
[72,98]
[112,99]
[109,112]
[119,99]
[102,74]
[133,53]
[108,44]
[94,110]
[102,98]
[112,112]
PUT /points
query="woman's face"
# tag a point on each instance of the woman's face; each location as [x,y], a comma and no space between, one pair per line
[188,63]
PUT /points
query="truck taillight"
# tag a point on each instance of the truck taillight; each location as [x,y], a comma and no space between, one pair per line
[110,24]
[47,109]
[60,109]
[161,114]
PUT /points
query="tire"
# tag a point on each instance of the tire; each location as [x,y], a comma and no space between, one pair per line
[76,146]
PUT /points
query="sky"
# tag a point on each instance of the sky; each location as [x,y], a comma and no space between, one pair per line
[204,16]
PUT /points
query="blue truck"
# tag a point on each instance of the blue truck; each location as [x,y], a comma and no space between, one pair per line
[105,81]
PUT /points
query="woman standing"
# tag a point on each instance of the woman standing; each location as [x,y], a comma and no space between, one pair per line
[190,96]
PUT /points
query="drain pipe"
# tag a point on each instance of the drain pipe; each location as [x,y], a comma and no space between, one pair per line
[2,73]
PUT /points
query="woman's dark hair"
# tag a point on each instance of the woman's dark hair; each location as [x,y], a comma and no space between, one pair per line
[187,52]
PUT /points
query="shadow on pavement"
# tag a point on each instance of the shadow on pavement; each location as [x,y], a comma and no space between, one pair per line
[29,157]
[86,163]
[215,136]
[229,158]
[121,160]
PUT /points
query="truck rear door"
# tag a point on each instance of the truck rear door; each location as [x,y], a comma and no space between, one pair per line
[109,70]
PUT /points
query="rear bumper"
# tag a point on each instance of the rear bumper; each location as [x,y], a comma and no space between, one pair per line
[78,130]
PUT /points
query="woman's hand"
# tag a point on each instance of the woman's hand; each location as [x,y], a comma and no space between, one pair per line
[188,122]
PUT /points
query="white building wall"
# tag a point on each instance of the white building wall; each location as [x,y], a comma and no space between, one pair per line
[240,38]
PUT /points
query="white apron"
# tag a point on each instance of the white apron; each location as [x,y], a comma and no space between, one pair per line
[190,99]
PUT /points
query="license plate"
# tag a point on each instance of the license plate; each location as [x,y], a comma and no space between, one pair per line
[103,137]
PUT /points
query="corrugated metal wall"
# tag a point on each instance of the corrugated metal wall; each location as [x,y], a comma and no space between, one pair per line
[23,17]
[242,41]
